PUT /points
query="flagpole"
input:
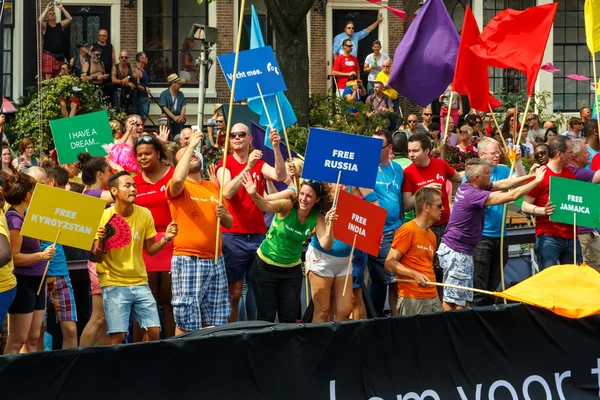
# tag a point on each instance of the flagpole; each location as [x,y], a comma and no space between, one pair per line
[575,238]
[287,142]
[349,272]
[451,286]
[53,245]
[264,106]
[448,118]
[595,84]
[512,168]
[498,127]
[229,117]
[335,199]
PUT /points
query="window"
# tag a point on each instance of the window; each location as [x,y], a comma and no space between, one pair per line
[571,56]
[263,20]
[7,67]
[167,24]
[456,9]
[511,80]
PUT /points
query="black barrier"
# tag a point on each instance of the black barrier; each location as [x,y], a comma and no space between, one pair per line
[513,352]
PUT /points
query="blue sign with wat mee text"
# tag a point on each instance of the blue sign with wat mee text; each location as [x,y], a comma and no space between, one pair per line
[254,66]
[329,152]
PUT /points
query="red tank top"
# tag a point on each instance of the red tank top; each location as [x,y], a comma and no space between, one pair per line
[247,217]
[153,197]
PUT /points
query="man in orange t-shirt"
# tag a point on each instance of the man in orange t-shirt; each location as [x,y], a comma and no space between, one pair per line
[412,254]
[200,296]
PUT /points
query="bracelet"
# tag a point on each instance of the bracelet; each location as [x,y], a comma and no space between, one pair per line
[167,240]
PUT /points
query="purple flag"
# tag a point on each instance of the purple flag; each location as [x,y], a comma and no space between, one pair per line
[258,142]
[424,60]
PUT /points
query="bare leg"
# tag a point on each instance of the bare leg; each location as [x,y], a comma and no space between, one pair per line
[34,332]
[321,295]
[116,338]
[153,333]
[343,304]
[18,328]
[359,310]
[165,302]
[94,332]
[235,291]
[69,334]
[393,298]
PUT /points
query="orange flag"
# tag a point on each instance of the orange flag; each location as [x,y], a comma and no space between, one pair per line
[471,73]
[569,290]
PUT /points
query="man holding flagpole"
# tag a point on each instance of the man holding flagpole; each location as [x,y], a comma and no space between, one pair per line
[241,241]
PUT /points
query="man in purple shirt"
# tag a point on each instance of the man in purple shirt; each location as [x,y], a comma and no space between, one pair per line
[588,237]
[466,225]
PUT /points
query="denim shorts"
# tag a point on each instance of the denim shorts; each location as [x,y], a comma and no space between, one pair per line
[239,252]
[458,270]
[119,302]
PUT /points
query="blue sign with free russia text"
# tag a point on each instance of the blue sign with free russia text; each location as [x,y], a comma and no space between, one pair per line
[254,66]
[329,152]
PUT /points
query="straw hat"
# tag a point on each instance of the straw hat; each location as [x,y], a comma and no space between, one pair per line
[173,78]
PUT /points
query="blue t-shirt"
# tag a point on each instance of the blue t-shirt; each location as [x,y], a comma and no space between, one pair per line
[339,249]
[388,188]
[175,106]
[492,219]
[592,154]
[58,265]
[339,40]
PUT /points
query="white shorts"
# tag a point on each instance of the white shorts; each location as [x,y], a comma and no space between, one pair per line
[326,265]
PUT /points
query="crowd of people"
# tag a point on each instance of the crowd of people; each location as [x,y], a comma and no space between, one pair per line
[198,259]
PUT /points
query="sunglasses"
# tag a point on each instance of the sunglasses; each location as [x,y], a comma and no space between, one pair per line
[238,134]
[76,165]
[412,121]
[439,205]
[464,132]
[478,122]
[540,153]
[349,45]
[146,139]
[531,119]
[97,54]
[220,121]
[124,58]
[319,185]
[350,27]
[428,115]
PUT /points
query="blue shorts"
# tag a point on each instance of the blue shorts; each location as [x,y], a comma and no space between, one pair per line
[6,299]
[239,251]
[143,106]
[458,270]
[359,263]
[376,264]
[200,294]
[120,300]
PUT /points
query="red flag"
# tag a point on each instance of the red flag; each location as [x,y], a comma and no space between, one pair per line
[395,11]
[471,74]
[517,39]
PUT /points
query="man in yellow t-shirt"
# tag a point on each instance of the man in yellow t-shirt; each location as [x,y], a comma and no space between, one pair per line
[384,77]
[8,282]
[411,256]
[122,272]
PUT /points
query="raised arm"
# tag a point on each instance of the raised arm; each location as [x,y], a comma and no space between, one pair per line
[372,27]
[273,206]
[43,17]
[278,173]
[67,20]
[504,197]
[512,182]
[325,240]
[181,170]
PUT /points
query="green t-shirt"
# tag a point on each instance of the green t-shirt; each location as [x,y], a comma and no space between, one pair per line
[405,162]
[283,244]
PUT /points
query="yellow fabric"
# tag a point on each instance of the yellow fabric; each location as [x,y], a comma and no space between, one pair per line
[384,78]
[592,25]
[125,266]
[7,279]
[569,290]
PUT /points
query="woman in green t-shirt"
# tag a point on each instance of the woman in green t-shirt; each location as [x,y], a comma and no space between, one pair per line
[277,271]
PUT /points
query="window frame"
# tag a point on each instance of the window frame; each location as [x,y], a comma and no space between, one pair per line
[8,87]
[175,50]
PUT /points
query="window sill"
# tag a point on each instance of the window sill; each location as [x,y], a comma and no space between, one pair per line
[188,92]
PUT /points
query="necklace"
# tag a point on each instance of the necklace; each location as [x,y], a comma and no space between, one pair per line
[387,184]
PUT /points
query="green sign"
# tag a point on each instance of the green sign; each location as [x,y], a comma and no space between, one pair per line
[80,134]
[571,197]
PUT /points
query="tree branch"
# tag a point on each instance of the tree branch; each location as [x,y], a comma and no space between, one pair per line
[277,18]
[303,9]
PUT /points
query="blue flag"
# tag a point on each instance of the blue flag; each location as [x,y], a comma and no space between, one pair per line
[424,60]
[259,138]
[255,103]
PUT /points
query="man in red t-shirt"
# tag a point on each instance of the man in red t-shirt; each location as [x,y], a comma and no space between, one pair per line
[241,241]
[345,65]
[427,171]
[554,240]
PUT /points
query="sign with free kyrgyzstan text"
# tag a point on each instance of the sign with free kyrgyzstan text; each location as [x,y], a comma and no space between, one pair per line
[80,134]
[571,197]
[358,217]
[257,66]
[76,215]
[330,152]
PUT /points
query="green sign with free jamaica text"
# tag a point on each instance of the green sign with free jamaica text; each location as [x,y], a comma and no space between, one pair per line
[575,197]
[80,134]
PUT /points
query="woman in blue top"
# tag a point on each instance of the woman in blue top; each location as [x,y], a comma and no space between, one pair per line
[328,270]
